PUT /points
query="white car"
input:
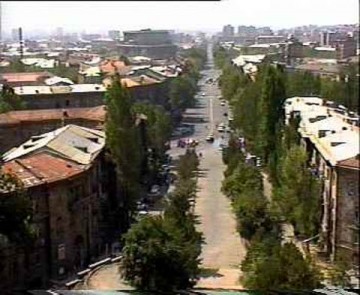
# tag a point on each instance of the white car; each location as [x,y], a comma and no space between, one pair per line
[203,94]
[223,102]
[221,128]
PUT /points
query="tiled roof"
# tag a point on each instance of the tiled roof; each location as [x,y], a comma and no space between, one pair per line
[41,168]
[17,117]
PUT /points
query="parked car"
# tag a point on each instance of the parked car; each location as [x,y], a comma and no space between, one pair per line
[155,190]
[210,138]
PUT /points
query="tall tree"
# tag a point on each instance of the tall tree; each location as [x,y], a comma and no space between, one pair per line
[279,268]
[271,113]
[299,193]
[123,142]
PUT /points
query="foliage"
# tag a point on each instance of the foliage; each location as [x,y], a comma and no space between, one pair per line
[157,134]
[15,211]
[270,110]
[123,140]
[243,178]
[299,193]
[152,257]
[188,165]
[162,253]
[182,91]
[250,208]
[303,84]
[197,56]
[278,268]
[9,100]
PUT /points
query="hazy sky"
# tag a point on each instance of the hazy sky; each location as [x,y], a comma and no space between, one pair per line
[123,15]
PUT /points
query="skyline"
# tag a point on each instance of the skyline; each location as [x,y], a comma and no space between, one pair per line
[207,16]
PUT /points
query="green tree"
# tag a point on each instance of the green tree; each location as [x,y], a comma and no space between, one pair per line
[270,110]
[15,210]
[280,268]
[162,253]
[182,91]
[244,177]
[251,212]
[299,193]
[152,258]
[9,100]
[123,142]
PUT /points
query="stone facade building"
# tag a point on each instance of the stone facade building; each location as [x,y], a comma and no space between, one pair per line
[330,135]
[62,172]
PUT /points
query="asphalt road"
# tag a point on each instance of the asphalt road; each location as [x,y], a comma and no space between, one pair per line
[223,250]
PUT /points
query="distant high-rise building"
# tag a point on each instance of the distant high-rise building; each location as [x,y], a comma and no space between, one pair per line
[15,34]
[246,31]
[228,31]
[59,33]
[114,34]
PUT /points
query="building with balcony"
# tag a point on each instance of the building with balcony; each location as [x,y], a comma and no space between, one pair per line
[330,135]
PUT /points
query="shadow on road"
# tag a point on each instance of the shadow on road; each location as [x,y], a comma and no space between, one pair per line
[210,272]
[202,173]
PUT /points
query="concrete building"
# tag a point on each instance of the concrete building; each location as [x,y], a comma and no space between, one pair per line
[228,31]
[330,135]
[345,48]
[150,43]
[57,97]
[114,34]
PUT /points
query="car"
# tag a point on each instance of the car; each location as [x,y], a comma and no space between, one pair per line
[155,190]
[222,103]
[210,138]
[221,128]
[203,94]
[225,114]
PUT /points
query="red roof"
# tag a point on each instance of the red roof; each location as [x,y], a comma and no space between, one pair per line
[352,163]
[112,67]
[40,168]
[18,117]
[25,77]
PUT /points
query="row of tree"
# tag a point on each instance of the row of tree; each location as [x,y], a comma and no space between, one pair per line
[268,264]
[258,116]
[183,89]
[161,253]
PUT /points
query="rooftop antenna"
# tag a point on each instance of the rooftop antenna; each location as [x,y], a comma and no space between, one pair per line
[21,43]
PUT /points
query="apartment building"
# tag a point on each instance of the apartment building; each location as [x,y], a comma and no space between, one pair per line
[330,135]
[63,176]
[17,126]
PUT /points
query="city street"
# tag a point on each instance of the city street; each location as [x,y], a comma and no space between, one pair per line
[223,250]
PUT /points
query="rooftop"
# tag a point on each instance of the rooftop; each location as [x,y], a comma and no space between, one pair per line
[27,90]
[25,77]
[41,168]
[26,116]
[78,144]
[330,128]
